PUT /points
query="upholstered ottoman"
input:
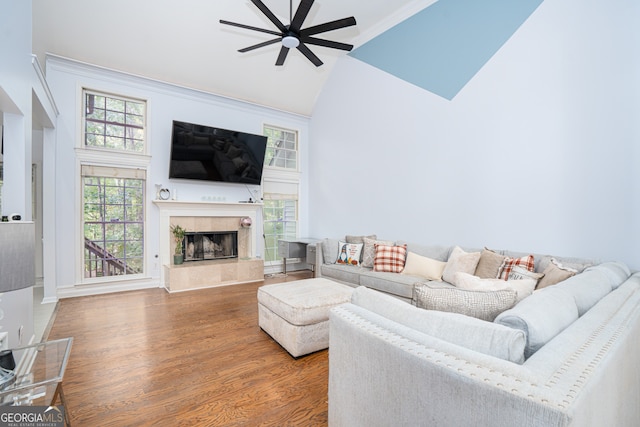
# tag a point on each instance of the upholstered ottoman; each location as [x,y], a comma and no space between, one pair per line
[296,314]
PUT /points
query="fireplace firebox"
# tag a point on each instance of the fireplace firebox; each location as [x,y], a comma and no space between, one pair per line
[209,245]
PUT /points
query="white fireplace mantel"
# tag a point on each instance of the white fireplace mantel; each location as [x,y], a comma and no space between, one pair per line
[179,208]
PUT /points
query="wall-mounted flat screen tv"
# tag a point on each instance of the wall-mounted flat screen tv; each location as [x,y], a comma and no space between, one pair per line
[212,154]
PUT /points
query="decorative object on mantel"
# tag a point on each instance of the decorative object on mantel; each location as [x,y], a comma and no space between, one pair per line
[164,194]
[178,235]
[245,222]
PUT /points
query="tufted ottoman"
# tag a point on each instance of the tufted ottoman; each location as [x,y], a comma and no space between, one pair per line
[296,314]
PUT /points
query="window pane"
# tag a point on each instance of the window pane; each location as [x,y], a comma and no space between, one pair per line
[109,120]
[281,148]
[115,104]
[279,223]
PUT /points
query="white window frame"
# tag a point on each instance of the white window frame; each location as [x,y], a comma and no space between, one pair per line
[106,157]
[295,151]
[280,183]
[106,172]
[83,120]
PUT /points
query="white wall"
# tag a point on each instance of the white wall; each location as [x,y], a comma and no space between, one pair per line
[16,307]
[537,153]
[15,105]
[165,104]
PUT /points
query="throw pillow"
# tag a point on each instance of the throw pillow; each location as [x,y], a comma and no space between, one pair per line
[460,261]
[485,305]
[523,287]
[520,273]
[489,264]
[349,253]
[422,266]
[390,259]
[369,250]
[359,239]
[555,273]
[507,265]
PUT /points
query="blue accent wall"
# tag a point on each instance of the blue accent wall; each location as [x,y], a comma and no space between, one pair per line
[442,47]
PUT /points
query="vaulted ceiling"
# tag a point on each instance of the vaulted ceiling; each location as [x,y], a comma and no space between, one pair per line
[182,42]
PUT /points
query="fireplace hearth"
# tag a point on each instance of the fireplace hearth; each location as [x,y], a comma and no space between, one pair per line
[210,245]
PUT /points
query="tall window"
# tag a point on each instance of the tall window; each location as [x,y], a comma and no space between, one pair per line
[113,218]
[280,188]
[280,222]
[113,192]
[282,148]
[113,122]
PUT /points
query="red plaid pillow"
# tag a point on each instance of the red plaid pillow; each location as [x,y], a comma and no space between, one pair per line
[509,263]
[390,258]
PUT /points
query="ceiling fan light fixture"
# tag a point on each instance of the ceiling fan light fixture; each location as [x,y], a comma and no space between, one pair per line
[290,42]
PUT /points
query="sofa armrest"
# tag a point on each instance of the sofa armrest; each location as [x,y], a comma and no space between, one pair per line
[406,378]
[319,259]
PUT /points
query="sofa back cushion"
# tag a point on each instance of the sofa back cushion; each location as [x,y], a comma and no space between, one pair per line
[590,286]
[616,272]
[330,250]
[478,335]
[586,288]
[541,316]
[441,253]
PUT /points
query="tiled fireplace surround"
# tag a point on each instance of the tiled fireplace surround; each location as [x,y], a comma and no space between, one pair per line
[204,216]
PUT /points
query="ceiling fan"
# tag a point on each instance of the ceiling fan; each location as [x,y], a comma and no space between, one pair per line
[293,36]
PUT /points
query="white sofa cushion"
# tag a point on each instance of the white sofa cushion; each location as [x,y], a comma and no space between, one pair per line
[485,337]
[541,316]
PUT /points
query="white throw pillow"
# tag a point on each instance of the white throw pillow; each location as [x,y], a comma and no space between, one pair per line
[422,266]
[349,253]
[523,287]
[460,261]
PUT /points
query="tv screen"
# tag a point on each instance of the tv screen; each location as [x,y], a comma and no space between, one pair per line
[212,154]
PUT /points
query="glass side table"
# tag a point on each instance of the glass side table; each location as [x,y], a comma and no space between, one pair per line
[38,375]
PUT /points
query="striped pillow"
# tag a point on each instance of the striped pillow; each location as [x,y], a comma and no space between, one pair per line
[508,264]
[390,259]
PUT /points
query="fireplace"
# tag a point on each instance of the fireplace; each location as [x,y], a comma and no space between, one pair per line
[244,266]
[208,245]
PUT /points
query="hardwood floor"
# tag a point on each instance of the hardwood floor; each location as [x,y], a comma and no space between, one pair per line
[195,358]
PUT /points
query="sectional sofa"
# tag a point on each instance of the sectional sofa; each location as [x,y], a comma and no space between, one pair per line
[567,355]
[402,285]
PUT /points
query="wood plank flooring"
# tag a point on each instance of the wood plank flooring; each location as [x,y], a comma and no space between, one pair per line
[197,358]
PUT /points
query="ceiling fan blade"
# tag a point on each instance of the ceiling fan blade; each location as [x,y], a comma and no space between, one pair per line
[301,15]
[264,9]
[248,27]
[326,43]
[259,45]
[329,26]
[282,55]
[310,55]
